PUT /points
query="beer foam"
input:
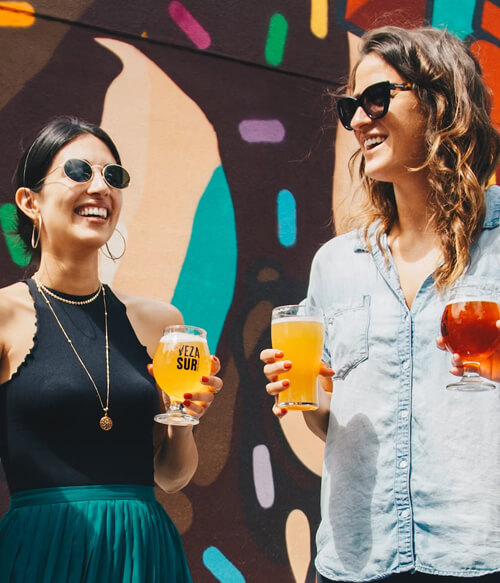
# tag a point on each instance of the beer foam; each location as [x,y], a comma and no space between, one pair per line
[181,337]
[318,319]
[465,300]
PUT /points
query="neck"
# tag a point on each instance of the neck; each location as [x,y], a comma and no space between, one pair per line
[74,277]
[412,207]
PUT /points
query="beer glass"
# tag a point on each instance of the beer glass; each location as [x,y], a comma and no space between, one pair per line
[297,330]
[180,360]
[468,327]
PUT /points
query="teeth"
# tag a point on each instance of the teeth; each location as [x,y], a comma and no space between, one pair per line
[93,211]
[373,142]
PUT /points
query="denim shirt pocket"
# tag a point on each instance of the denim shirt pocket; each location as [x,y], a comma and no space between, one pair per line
[347,327]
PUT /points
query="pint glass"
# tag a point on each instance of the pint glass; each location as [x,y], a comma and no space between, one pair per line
[468,327]
[180,360]
[297,330]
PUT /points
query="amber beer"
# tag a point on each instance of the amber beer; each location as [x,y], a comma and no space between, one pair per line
[298,332]
[469,329]
[181,358]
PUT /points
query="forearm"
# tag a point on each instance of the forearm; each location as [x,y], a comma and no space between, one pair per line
[176,459]
[317,421]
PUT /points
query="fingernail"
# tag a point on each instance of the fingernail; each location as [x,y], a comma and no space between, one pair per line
[187,403]
[285,383]
[287,365]
[278,354]
[283,410]
[204,379]
[215,358]
[188,396]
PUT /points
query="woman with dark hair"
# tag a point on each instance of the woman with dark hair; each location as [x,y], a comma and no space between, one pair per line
[79,447]
[411,470]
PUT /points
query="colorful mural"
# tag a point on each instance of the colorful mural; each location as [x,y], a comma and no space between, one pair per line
[220,111]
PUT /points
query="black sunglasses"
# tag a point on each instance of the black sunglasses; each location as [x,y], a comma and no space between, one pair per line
[81,171]
[374,100]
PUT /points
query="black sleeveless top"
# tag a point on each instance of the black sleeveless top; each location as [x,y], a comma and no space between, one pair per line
[49,410]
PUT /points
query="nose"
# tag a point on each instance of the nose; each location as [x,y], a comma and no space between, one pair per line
[360,118]
[97,184]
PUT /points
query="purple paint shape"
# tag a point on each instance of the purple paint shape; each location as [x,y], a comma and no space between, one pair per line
[189,25]
[262,130]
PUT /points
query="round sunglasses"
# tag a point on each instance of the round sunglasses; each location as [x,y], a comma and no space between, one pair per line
[81,171]
[374,100]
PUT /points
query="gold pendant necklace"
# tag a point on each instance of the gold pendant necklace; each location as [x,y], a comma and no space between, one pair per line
[105,422]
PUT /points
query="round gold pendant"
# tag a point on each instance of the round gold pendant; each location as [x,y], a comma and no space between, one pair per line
[105,423]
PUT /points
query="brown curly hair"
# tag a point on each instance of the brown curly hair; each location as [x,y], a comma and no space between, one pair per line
[463,148]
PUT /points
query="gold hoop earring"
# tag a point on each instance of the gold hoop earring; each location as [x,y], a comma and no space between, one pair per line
[109,255]
[34,243]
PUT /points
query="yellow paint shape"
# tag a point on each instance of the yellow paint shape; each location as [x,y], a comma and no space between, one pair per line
[298,544]
[319,18]
[171,151]
[308,448]
[16,14]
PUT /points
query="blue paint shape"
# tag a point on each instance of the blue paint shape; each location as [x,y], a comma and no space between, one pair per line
[221,567]
[454,15]
[287,218]
[205,287]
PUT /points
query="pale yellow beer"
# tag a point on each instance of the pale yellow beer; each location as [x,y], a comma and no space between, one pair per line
[179,362]
[300,336]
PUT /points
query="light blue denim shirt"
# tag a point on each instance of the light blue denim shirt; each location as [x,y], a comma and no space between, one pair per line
[411,476]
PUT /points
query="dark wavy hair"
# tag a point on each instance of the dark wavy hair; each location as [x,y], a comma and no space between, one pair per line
[38,157]
[463,148]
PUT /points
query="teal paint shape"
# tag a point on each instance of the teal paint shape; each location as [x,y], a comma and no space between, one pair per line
[8,223]
[205,288]
[286,213]
[276,39]
[221,567]
[454,15]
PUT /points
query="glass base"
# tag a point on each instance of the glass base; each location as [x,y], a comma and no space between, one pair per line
[298,405]
[176,418]
[471,385]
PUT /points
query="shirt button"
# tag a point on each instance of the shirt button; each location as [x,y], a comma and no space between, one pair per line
[405,513]
[406,365]
[403,464]
[404,414]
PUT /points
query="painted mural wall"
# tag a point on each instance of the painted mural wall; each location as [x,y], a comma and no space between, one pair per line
[221,114]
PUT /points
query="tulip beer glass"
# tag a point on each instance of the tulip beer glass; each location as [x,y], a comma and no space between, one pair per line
[181,359]
[297,330]
[468,327]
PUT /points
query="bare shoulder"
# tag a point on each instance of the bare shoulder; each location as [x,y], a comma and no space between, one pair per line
[149,317]
[13,298]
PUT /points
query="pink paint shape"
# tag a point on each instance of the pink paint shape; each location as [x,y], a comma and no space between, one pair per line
[189,25]
[262,130]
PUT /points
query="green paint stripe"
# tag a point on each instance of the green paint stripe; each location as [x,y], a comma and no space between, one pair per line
[454,15]
[205,288]
[8,223]
[276,39]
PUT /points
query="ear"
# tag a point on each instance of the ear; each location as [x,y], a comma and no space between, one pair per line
[26,201]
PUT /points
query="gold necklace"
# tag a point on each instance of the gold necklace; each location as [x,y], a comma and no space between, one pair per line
[105,422]
[66,301]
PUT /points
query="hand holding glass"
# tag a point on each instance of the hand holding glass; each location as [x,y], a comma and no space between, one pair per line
[181,359]
[468,327]
[297,330]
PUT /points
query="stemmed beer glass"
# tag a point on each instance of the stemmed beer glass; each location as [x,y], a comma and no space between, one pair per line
[468,327]
[181,358]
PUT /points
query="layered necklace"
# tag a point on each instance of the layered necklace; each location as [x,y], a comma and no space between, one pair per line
[105,422]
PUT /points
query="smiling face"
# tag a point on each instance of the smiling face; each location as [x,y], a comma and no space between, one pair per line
[75,213]
[394,143]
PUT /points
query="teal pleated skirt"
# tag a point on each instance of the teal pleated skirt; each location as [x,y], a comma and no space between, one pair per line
[90,534]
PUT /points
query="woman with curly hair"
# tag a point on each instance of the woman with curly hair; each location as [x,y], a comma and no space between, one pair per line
[411,470]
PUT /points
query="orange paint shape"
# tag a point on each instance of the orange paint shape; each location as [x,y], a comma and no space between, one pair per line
[488,55]
[491,18]
[16,14]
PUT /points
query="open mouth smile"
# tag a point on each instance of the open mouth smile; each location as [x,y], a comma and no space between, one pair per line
[92,211]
